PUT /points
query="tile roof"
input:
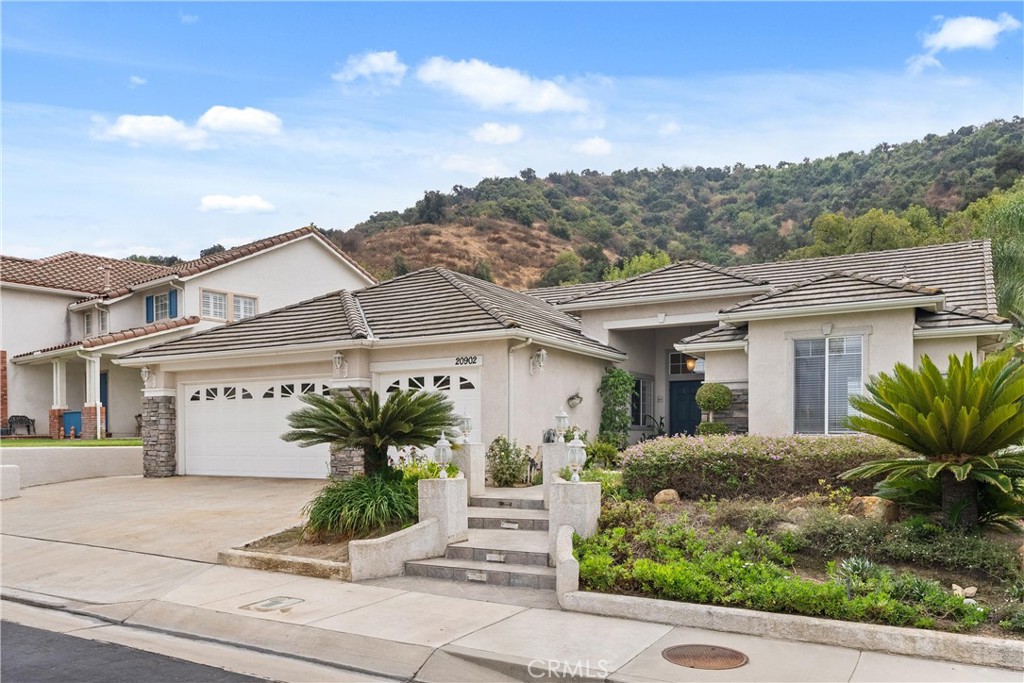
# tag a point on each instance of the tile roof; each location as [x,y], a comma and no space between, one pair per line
[962,270]
[561,293]
[119,336]
[426,303]
[682,278]
[718,335]
[956,318]
[77,272]
[831,289]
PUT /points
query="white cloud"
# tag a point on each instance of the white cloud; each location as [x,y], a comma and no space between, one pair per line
[494,87]
[485,168]
[380,67]
[497,134]
[961,33]
[188,18]
[595,146]
[670,128]
[246,203]
[136,81]
[233,120]
[136,130]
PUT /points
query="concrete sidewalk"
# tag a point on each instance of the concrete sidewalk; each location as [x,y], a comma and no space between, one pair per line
[388,632]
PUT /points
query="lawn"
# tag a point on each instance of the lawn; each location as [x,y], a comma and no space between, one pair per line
[67,443]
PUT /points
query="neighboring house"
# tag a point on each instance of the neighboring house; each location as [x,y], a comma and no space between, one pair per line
[217,401]
[65,317]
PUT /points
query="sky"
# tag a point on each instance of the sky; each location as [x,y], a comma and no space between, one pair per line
[164,127]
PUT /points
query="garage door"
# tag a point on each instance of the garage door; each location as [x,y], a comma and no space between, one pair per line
[234,429]
[461,386]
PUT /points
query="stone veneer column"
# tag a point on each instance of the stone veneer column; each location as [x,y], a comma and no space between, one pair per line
[159,429]
[736,415]
[56,422]
[3,388]
[346,462]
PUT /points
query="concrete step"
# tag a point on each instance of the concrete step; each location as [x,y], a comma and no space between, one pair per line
[506,503]
[508,519]
[472,571]
[500,546]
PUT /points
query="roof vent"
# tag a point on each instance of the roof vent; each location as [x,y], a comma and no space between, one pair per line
[905,278]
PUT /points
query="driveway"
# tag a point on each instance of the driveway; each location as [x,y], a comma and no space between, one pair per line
[182,517]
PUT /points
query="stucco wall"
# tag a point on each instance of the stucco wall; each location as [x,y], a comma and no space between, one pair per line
[124,398]
[726,366]
[888,340]
[939,349]
[66,463]
[702,311]
[34,320]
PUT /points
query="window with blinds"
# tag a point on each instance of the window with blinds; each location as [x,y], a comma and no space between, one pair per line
[215,305]
[827,373]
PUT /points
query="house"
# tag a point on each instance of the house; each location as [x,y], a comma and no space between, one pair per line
[217,401]
[65,317]
[792,340]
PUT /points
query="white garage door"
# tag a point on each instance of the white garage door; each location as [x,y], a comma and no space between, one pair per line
[234,429]
[460,385]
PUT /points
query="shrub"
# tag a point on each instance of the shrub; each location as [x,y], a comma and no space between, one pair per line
[711,397]
[363,505]
[759,466]
[415,470]
[712,428]
[604,453]
[507,462]
[610,480]
[616,391]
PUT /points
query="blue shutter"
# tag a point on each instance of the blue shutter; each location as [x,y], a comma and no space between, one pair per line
[172,304]
[149,309]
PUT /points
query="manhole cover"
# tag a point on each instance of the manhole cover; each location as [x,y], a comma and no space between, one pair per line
[704,657]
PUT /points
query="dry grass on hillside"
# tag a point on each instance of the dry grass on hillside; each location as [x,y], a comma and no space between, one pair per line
[517,255]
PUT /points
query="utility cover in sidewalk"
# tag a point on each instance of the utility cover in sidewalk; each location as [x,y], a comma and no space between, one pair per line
[278,603]
[704,657]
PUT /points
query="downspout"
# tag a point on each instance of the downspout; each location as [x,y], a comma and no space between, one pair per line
[511,351]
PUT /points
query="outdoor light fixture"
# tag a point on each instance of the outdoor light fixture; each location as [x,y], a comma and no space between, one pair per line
[577,456]
[340,365]
[443,455]
[144,373]
[561,425]
[466,425]
[538,361]
[691,363]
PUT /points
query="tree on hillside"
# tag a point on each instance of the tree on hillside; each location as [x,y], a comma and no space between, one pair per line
[637,265]
[878,230]
[566,271]
[432,208]
[210,251]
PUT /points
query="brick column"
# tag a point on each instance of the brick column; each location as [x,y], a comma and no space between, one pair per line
[346,462]
[89,421]
[56,422]
[159,446]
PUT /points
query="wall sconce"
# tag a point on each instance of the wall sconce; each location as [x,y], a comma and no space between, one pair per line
[340,365]
[691,363]
[538,361]
[145,374]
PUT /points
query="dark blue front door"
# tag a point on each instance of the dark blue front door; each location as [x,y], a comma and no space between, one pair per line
[684,415]
[105,400]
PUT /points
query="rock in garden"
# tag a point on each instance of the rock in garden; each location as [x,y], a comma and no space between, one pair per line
[797,515]
[783,527]
[846,519]
[666,496]
[873,507]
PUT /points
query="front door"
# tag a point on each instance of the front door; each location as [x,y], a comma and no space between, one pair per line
[105,400]
[684,415]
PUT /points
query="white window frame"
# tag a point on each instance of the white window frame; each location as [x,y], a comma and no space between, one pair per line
[104,322]
[208,307]
[87,324]
[235,306]
[161,306]
[826,431]
[646,399]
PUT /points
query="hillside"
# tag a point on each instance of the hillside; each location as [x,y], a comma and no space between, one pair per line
[514,229]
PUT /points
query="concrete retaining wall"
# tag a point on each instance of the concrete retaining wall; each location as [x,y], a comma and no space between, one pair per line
[45,465]
[894,640]
[376,558]
[567,568]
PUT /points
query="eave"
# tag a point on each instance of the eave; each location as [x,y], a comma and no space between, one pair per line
[932,303]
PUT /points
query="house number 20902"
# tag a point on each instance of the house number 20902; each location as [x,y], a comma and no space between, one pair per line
[466,360]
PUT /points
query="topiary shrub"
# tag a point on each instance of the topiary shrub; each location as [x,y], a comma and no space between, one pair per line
[757,466]
[711,428]
[712,397]
[507,462]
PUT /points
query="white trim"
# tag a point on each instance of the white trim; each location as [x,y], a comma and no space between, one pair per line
[160,392]
[660,298]
[47,290]
[145,338]
[717,346]
[964,331]
[661,320]
[48,355]
[933,302]
[425,364]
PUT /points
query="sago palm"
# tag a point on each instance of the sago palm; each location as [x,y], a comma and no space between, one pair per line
[357,418]
[959,423]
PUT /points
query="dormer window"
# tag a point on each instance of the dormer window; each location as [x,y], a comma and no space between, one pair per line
[162,306]
[96,322]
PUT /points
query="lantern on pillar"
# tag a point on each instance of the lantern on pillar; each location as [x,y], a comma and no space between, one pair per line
[561,425]
[577,456]
[443,455]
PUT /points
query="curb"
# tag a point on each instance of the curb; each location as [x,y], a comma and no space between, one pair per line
[287,564]
[962,649]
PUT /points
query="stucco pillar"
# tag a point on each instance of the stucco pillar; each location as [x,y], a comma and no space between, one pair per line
[469,458]
[93,412]
[555,457]
[60,400]
[445,500]
[576,504]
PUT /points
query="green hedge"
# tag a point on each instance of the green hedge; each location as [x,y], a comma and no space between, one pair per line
[757,466]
